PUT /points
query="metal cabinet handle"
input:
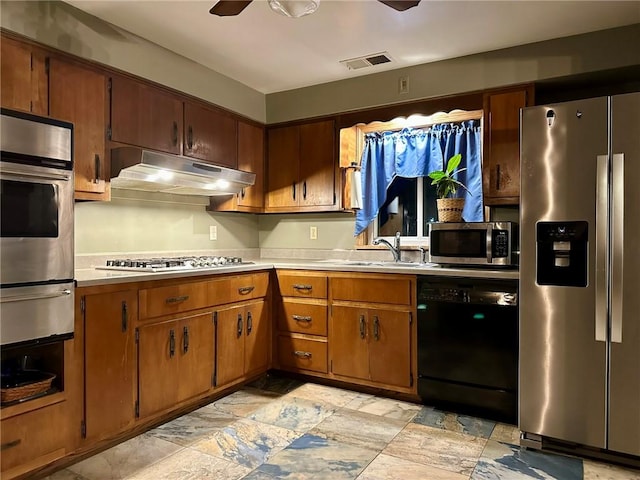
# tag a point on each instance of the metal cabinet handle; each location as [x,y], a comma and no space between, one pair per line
[300,318]
[293,185]
[376,328]
[301,354]
[11,444]
[190,137]
[302,286]
[185,339]
[124,317]
[362,327]
[172,343]
[96,162]
[242,193]
[304,190]
[498,177]
[249,323]
[246,290]
[239,325]
[176,299]
[175,134]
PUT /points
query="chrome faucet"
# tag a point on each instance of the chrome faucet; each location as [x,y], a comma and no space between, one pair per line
[395,249]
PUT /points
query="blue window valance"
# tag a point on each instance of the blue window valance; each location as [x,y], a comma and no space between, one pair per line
[414,153]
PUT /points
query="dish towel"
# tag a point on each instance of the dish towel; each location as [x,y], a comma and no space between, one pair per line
[356,189]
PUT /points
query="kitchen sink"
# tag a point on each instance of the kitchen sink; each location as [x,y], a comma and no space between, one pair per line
[372,263]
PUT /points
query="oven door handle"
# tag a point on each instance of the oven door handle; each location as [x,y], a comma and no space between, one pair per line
[26,175]
[22,298]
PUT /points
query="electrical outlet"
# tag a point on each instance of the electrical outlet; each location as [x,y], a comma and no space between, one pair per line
[313,233]
[213,232]
[403,85]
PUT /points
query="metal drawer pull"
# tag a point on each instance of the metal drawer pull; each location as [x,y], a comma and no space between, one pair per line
[11,444]
[177,299]
[362,327]
[302,286]
[246,290]
[300,354]
[376,328]
[172,343]
[300,318]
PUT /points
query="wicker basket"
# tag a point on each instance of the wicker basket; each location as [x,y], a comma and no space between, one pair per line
[450,209]
[19,392]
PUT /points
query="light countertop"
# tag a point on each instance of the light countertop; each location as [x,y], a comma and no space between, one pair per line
[92,277]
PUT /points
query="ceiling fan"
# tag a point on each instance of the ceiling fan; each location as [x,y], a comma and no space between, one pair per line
[230,8]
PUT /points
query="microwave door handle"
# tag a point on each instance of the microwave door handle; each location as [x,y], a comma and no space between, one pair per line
[489,243]
[22,298]
[26,175]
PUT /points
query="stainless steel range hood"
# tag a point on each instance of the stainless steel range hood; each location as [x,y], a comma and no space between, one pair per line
[134,168]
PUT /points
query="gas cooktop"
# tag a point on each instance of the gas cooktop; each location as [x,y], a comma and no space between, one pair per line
[171,263]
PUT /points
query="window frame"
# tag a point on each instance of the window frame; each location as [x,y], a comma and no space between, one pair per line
[365,239]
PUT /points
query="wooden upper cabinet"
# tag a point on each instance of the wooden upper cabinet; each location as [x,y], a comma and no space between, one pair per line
[23,77]
[283,145]
[210,135]
[301,167]
[251,159]
[501,170]
[317,164]
[145,116]
[79,95]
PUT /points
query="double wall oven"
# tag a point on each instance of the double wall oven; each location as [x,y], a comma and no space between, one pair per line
[36,230]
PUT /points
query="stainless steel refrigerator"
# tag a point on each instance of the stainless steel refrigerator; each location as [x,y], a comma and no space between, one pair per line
[579,373]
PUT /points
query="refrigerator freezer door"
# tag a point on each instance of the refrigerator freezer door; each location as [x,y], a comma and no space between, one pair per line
[624,399]
[563,368]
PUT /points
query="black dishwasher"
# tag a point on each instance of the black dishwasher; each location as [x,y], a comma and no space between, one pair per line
[468,346]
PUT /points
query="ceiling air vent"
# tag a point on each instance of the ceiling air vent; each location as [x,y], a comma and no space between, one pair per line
[367,61]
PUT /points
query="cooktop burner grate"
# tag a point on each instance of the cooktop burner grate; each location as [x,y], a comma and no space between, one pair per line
[171,263]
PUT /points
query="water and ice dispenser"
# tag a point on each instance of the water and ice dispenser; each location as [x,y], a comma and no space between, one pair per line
[562,253]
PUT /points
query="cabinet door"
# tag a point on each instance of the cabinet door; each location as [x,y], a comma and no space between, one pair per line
[195,355]
[210,135]
[390,347]
[317,164]
[110,362]
[23,77]
[230,327]
[502,147]
[348,341]
[145,116]
[159,374]
[256,344]
[283,145]
[251,159]
[78,95]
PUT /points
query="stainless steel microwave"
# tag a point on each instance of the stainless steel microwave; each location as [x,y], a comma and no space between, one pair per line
[490,244]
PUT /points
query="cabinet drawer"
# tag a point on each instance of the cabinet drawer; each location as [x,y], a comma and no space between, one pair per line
[238,288]
[34,439]
[310,318]
[302,285]
[302,354]
[156,302]
[396,291]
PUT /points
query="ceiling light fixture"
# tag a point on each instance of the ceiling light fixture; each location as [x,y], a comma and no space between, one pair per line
[294,8]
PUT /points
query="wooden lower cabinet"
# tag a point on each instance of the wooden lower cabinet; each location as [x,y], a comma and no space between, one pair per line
[242,336]
[175,361]
[109,362]
[34,439]
[371,344]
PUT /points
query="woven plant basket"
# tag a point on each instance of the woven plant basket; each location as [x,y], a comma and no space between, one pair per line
[450,209]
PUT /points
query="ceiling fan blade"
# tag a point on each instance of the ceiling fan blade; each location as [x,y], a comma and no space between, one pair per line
[229,8]
[400,5]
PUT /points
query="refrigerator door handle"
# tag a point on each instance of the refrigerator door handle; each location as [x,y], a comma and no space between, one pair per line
[602,193]
[617,243]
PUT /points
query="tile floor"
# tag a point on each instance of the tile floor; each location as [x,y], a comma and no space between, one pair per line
[282,428]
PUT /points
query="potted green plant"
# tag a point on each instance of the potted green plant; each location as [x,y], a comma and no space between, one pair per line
[449,207]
